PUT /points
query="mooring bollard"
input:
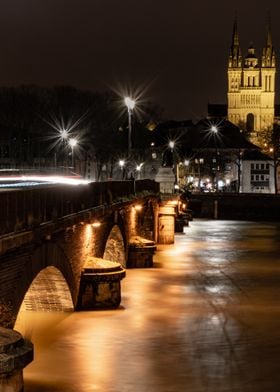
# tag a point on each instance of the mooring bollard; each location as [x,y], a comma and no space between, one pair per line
[15,354]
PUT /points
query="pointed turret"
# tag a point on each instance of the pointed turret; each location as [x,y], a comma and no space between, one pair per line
[235,59]
[268,55]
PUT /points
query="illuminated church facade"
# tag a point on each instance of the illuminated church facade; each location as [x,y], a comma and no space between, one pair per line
[251,89]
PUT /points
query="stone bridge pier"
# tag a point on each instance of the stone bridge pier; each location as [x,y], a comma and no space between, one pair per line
[61,246]
[78,249]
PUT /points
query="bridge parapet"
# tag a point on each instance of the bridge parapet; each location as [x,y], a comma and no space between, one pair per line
[26,209]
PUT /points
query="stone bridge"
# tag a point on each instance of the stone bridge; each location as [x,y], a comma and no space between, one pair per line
[57,229]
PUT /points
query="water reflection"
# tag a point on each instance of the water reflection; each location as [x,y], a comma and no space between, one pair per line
[206,320]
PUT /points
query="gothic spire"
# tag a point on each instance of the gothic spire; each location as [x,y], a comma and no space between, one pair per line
[268,55]
[235,59]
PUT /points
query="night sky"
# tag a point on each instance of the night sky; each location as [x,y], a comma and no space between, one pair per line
[173,52]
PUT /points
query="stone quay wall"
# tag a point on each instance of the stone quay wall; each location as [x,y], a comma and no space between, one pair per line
[242,206]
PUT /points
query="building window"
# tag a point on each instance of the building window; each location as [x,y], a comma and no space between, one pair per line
[252,166]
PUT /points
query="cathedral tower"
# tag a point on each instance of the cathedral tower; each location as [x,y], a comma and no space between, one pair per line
[251,88]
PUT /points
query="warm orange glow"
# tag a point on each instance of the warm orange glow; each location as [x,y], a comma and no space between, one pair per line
[133,221]
[138,207]
[96,224]
[88,234]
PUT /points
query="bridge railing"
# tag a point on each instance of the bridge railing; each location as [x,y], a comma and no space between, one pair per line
[27,208]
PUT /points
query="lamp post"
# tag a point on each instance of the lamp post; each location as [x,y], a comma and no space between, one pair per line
[130,104]
[138,171]
[214,130]
[72,143]
[121,164]
[62,140]
[171,145]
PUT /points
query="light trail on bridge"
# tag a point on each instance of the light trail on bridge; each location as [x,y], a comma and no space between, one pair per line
[28,181]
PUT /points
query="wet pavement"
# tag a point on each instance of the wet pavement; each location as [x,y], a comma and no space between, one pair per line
[205,318]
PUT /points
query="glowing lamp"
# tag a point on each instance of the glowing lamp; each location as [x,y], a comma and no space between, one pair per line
[130,103]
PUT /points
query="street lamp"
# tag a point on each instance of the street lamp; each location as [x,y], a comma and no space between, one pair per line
[214,130]
[121,164]
[171,145]
[138,170]
[63,134]
[130,104]
[72,143]
[62,138]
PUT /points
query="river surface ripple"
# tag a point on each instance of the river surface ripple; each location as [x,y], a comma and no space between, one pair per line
[205,318]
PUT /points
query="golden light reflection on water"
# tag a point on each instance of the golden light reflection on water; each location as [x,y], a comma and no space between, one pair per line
[217,289]
[206,320]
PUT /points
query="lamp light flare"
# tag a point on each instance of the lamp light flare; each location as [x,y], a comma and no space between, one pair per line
[63,134]
[138,167]
[172,144]
[73,142]
[130,103]
[214,129]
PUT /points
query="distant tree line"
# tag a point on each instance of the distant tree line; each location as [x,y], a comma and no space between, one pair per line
[36,116]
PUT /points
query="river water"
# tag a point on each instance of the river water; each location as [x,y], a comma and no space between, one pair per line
[205,318]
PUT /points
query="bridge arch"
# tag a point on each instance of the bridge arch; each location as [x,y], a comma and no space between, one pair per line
[48,292]
[65,244]
[45,262]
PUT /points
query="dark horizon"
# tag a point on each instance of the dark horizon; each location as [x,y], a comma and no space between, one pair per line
[175,55]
